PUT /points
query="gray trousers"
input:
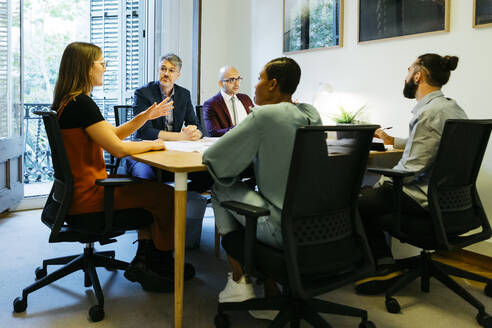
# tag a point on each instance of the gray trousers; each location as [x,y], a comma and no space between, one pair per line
[268,230]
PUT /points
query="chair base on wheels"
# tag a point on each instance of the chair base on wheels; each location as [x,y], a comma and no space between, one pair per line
[424,267]
[293,311]
[88,262]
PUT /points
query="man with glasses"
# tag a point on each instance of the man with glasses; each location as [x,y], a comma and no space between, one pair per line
[181,124]
[169,127]
[227,108]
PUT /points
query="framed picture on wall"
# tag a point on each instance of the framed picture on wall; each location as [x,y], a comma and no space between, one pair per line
[312,24]
[386,19]
[482,13]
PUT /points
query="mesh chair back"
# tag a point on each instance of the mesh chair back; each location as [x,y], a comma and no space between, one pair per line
[321,228]
[453,198]
[122,114]
[88,227]
[199,115]
[58,202]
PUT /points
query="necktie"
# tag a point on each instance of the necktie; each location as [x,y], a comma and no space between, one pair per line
[234,112]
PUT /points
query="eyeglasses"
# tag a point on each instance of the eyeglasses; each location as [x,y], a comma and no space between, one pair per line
[170,70]
[104,63]
[233,79]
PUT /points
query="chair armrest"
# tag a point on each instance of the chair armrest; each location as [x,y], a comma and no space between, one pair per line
[397,177]
[389,172]
[115,182]
[251,213]
[109,184]
[245,209]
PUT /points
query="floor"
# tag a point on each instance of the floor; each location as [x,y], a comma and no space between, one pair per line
[66,302]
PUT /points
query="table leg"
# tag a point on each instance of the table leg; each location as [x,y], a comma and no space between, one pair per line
[180,185]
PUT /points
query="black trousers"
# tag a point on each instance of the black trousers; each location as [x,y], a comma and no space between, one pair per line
[375,203]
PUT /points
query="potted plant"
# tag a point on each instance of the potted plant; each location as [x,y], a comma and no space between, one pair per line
[346,118]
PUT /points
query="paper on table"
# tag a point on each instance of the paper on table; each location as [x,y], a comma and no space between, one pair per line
[190,146]
[377,140]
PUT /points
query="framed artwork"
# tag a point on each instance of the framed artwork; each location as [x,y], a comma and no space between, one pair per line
[482,13]
[312,24]
[386,19]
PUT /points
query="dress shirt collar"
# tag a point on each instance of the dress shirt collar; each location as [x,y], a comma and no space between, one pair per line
[164,95]
[426,99]
[226,96]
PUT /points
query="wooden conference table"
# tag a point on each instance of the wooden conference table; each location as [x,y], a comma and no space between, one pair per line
[182,163]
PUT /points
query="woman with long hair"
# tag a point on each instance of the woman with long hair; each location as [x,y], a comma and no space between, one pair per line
[85,134]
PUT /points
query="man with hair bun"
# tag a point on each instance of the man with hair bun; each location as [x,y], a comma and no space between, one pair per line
[424,81]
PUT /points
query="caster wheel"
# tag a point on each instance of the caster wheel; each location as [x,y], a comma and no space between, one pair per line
[40,272]
[367,324]
[96,313]
[488,290]
[392,305]
[484,320]
[20,304]
[221,321]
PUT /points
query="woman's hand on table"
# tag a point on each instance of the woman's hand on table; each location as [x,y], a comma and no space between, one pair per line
[158,144]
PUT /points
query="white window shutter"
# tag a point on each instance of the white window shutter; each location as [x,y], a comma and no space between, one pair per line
[116,28]
[4,68]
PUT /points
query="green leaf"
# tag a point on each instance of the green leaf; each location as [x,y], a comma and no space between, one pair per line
[348,117]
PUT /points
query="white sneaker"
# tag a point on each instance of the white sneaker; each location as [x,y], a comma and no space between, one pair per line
[236,291]
[264,314]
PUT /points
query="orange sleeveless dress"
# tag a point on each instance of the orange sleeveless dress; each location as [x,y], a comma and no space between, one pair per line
[87,165]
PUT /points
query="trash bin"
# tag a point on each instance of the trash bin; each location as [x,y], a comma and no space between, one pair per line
[195,210]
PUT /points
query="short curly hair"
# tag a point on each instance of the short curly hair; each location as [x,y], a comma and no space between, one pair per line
[287,73]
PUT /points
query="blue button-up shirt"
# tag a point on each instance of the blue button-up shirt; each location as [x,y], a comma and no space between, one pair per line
[426,127]
[169,117]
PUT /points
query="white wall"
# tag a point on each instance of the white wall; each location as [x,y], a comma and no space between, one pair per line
[375,72]
[226,40]
[247,34]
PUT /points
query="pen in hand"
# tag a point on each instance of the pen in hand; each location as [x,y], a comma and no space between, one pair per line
[386,128]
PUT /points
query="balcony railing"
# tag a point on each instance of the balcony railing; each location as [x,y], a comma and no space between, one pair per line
[37,154]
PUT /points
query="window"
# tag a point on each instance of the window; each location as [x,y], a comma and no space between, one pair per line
[10,97]
[117,29]
[115,26]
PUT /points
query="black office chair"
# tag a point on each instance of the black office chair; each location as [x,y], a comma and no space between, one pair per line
[199,115]
[324,246]
[454,210]
[122,114]
[83,228]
